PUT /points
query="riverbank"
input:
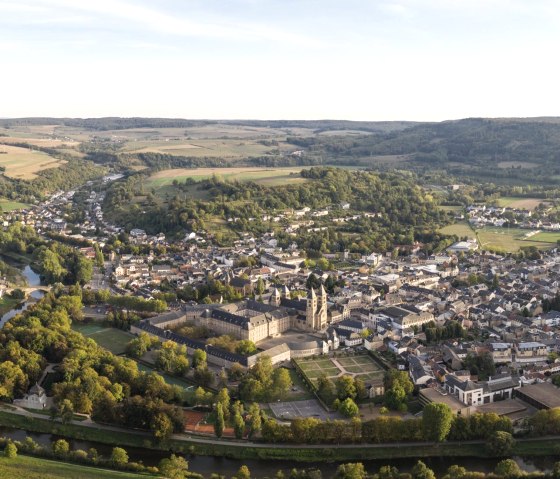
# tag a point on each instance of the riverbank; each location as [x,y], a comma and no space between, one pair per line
[204,446]
[39,468]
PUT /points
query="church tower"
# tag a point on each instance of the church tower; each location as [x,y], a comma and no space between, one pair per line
[311,309]
[321,316]
[275,298]
[286,292]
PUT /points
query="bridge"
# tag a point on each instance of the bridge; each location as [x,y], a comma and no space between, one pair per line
[29,289]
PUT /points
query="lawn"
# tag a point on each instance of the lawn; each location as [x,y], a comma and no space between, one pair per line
[24,467]
[460,229]
[23,163]
[7,205]
[7,304]
[113,339]
[362,366]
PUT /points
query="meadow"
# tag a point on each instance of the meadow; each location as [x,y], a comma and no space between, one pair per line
[112,339]
[266,176]
[23,163]
[39,468]
[519,203]
[8,205]
[461,229]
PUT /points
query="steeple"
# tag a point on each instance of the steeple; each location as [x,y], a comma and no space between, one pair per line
[311,294]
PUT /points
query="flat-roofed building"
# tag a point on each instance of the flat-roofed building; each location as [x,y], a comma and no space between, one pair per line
[541,395]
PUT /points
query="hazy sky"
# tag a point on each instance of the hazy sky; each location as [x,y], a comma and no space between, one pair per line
[274,59]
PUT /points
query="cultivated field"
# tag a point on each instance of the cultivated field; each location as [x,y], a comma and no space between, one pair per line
[519,203]
[23,163]
[115,340]
[517,164]
[268,176]
[361,366]
[45,142]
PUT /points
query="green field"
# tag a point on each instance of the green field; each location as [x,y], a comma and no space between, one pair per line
[7,205]
[266,176]
[507,239]
[519,203]
[546,237]
[113,339]
[460,229]
[168,379]
[6,304]
[24,467]
[362,366]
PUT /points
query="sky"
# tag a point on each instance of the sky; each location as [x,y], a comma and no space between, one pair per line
[422,60]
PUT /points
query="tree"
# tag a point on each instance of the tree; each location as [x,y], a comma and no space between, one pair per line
[10,451]
[436,421]
[500,443]
[246,347]
[161,426]
[508,468]
[455,472]
[66,411]
[176,467]
[224,399]
[199,358]
[243,473]
[281,382]
[119,457]
[326,389]
[219,423]
[238,426]
[351,471]
[348,408]
[345,387]
[255,421]
[421,471]
[60,448]
[388,472]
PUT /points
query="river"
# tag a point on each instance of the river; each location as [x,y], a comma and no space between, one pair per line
[206,465]
[33,279]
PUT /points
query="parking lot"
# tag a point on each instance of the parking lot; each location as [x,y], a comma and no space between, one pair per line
[294,409]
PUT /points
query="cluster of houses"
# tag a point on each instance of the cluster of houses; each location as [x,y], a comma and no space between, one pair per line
[484,215]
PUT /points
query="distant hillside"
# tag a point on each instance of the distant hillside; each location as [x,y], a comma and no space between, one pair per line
[117,123]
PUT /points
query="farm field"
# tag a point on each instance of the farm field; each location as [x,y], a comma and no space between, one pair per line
[8,205]
[268,176]
[46,142]
[517,164]
[460,229]
[361,366]
[40,468]
[22,163]
[212,147]
[112,339]
[519,203]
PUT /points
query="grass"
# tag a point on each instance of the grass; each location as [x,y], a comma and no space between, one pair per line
[460,229]
[266,176]
[363,366]
[168,379]
[25,467]
[23,163]
[506,239]
[519,203]
[546,237]
[112,339]
[7,205]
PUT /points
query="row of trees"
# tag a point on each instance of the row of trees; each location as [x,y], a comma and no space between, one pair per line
[438,424]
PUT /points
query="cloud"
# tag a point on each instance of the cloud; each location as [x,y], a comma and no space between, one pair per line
[177,25]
